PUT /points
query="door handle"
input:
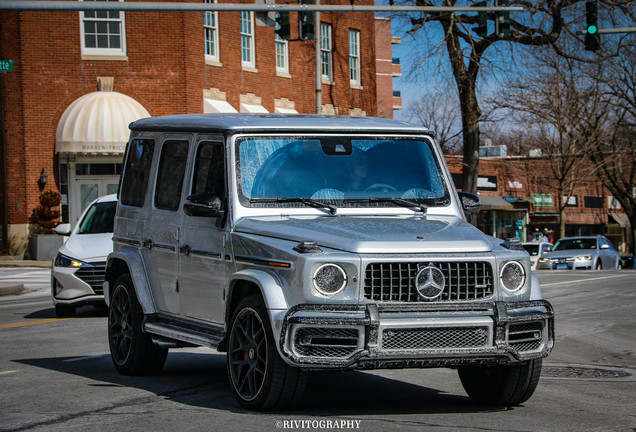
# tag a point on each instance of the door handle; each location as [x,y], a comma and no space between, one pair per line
[185,250]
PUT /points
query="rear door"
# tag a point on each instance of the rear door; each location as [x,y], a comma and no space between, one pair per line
[161,230]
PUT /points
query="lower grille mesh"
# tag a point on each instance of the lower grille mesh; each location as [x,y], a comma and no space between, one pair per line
[326,342]
[435,338]
[526,336]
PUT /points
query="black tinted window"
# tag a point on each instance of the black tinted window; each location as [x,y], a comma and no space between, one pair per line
[138,165]
[209,171]
[99,218]
[172,165]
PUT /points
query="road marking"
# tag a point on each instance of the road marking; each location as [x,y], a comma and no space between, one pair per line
[583,280]
[8,372]
[26,323]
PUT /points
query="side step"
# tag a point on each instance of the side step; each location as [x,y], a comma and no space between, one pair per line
[180,334]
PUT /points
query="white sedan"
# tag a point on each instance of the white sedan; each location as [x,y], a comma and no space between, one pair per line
[77,274]
[536,250]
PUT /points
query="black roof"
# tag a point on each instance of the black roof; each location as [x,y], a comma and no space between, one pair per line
[274,122]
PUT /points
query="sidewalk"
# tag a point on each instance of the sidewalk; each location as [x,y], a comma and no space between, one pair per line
[5,262]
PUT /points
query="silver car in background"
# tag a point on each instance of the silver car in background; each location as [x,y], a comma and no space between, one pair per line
[574,253]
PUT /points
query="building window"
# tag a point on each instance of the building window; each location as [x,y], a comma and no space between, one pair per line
[354,56]
[210,26]
[247,39]
[325,51]
[593,202]
[103,32]
[282,53]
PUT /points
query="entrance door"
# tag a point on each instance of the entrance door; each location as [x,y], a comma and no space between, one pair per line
[85,191]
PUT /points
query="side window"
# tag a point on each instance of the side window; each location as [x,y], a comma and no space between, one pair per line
[172,165]
[137,171]
[209,170]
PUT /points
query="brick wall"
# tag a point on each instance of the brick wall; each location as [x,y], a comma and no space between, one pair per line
[165,72]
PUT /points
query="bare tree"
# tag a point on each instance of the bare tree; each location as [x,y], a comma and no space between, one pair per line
[615,153]
[567,106]
[543,23]
[439,112]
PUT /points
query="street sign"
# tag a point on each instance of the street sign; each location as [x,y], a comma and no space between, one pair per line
[6,65]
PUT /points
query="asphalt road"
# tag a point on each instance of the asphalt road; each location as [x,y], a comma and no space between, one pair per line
[57,375]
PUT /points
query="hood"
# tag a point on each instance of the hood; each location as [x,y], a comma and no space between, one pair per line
[361,234]
[87,247]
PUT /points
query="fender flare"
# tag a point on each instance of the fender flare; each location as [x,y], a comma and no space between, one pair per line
[535,288]
[133,260]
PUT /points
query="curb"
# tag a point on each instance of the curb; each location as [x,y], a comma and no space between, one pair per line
[6,290]
[4,263]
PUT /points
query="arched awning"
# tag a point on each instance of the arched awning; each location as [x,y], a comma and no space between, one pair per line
[98,123]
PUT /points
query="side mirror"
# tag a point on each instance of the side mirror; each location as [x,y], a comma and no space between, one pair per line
[604,246]
[470,203]
[63,229]
[204,204]
[548,249]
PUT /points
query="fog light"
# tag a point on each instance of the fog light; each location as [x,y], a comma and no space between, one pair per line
[330,279]
[513,276]
[58,287]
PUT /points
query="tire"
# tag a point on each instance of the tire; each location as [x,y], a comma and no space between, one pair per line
[506,385]
[63,311]
[599,264]
[259,378]
[131,350]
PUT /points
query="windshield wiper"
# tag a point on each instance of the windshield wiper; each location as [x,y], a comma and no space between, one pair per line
[398,201]
[307,201]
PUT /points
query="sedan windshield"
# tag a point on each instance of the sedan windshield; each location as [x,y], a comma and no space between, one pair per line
[99,218]
[577,243]
[347,172]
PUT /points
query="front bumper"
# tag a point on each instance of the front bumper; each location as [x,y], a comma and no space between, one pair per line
[393,335]
[557,264]
[78,286]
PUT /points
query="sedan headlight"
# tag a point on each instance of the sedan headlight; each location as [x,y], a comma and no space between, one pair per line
[584,258]
[330,279]
[513,276]
[544,259]
[64,261]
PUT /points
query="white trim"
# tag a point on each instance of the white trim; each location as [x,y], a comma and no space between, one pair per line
[249,38]
[285,111]
[214,30]
[249,108]
[104,52]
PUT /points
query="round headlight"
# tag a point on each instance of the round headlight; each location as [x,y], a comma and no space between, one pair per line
[513,276]
[330,279]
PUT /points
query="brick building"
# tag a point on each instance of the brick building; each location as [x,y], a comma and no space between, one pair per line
[519,199]
[81,77]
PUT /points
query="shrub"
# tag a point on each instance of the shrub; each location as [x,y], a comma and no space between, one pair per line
[46,215]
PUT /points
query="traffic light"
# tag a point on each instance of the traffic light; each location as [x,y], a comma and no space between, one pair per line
[502,20]
[282,25]
[306,22]
[592,38]
[482,22]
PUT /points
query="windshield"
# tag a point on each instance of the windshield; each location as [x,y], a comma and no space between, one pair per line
[581,243]
[345,171]
[99,218]
[532,249]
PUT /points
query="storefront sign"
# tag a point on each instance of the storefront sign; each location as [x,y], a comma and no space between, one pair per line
[514,184]
[487,183]
[573,201]
[542,200]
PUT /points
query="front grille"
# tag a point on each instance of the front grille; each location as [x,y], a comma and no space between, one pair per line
[326,342]
[395,281]
[526,336]
[434,338]
[93,275]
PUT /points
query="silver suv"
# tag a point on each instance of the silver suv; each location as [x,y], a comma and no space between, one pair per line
[298,243]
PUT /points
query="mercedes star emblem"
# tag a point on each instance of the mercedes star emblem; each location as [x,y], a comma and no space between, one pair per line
[430,282]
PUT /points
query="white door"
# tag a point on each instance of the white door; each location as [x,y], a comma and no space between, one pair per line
[85,191]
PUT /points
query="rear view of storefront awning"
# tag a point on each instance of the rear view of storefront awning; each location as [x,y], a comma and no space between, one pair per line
[494,203]
[217,106]
[621,219]
[98,123]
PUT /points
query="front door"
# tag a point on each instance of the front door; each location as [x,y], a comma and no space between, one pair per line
[85,191]
[202,277]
